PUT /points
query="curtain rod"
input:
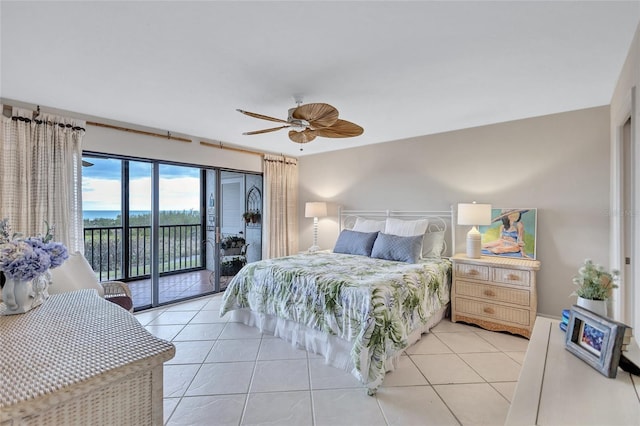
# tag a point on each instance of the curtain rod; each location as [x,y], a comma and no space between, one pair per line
[218,145]
[230,148]
[141,132]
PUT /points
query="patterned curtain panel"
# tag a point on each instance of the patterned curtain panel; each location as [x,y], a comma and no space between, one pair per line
[281,206]
[41,175]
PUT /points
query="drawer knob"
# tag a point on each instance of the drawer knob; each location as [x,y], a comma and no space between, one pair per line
[513,277]
[488,310]
[489,293]
[473,272]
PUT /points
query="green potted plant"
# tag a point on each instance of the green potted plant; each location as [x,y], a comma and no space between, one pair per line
[594,285]
[232,245]
[255,216]
[247,216]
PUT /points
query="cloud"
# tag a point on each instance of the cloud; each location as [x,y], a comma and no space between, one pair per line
[100,194]
[180,193]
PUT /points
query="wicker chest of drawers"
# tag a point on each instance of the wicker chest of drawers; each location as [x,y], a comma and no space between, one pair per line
[78,359]
[496,293]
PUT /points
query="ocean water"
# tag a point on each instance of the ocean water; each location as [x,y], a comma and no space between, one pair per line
[109,214]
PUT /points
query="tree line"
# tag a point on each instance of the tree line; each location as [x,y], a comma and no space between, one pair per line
[167,217]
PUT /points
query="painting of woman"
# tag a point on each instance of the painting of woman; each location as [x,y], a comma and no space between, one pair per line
[510,238]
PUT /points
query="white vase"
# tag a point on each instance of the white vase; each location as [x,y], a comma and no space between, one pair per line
[40,286]
[597,306]
[20,296]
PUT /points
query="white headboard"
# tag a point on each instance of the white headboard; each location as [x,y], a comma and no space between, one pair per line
[439,220]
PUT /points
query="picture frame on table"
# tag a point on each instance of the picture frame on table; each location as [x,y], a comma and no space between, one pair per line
[512,233]
[595,339]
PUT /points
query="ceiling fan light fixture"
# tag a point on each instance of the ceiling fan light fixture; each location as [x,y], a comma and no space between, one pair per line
[296,127]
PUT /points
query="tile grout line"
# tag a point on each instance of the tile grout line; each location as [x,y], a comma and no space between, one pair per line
[446,405]
[433,388]
[467,364]
[312,405]
[471,367]
[192,379]
[500,393]
[478,373]
[498,350]
[253,374]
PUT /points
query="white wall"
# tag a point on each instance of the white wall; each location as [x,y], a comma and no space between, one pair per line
[558,164]
[106,140]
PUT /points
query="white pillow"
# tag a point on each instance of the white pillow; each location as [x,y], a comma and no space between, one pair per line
[74,274]
[406,228]
[368,225]
[433,245]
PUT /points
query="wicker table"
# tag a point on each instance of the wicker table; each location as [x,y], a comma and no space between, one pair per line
[79,359]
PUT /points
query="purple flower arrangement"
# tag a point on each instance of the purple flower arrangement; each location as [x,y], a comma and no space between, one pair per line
[26,258]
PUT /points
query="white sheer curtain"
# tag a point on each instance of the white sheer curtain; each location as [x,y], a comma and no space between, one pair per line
[41,175]
[281,206]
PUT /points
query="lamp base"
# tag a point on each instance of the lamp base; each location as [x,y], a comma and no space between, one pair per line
[313,249]
[474,244]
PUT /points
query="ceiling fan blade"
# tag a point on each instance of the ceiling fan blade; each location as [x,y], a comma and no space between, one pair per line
[302,137]
[318,115]
[341,129]
[257,132]
[263,117]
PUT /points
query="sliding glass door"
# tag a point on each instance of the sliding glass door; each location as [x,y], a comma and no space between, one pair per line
[102,205]
[171,231]
[180,234]
[138,179]
[234,231]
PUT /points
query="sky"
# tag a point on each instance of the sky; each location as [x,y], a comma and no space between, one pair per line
[179,186]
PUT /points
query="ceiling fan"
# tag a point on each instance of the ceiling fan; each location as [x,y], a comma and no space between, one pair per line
[308,121]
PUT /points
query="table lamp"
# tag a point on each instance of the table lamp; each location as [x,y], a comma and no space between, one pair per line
[315,210]
[474,214]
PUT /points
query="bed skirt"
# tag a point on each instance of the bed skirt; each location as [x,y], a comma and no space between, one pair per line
[336,351]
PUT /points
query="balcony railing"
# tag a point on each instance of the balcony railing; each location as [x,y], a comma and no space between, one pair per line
[180,248]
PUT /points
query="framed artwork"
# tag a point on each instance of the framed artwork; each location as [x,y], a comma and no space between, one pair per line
[595,339]
[512,233]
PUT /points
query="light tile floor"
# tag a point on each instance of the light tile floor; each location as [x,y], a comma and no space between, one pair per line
[226,373]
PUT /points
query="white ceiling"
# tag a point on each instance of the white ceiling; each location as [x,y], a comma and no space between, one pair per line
[398,69]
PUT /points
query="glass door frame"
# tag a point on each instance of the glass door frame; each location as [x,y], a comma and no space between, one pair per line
[154,275]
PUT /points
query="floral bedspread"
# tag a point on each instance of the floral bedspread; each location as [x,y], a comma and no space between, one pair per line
[373,303]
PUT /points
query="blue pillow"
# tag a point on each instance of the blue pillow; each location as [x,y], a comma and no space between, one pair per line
[400,249]
[354,242]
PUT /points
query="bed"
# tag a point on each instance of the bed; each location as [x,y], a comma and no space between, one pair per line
[358,311]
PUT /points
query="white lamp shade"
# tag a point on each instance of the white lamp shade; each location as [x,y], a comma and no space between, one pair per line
[474,214]
[315,209]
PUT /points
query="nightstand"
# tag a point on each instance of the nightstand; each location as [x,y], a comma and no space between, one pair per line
[496,293]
